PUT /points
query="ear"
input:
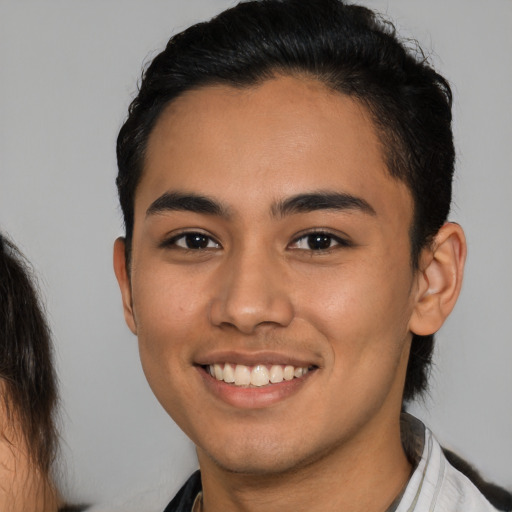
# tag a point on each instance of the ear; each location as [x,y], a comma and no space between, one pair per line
[123,279]
[440,273]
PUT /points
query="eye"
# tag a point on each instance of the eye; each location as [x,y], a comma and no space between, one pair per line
[318,241]
[193,241]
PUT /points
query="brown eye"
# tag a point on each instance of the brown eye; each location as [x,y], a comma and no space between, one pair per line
[319,241]
[193,241]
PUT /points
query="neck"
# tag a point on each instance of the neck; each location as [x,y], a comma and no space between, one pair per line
[364,475]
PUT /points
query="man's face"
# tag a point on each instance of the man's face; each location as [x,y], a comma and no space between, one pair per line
[268,234]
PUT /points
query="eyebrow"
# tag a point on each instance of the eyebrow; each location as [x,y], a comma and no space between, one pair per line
[190,202]
[301,203]
[304,203]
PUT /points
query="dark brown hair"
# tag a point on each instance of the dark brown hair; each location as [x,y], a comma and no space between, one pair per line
[29,390]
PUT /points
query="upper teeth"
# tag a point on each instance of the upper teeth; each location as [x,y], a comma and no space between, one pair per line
[259,375]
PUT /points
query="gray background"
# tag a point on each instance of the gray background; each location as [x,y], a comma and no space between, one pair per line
[67,72]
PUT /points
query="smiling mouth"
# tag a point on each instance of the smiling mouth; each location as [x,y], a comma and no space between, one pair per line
[255,376]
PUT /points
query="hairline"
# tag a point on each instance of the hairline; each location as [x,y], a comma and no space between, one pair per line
[384,135]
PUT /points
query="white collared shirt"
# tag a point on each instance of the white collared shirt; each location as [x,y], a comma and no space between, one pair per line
[435,485]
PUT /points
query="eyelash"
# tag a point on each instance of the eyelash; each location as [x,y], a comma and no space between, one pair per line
[173,242]
[320,235]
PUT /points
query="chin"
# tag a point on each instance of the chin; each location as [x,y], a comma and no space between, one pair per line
[260,467]
[264,457]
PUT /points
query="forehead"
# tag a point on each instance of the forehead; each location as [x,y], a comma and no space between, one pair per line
[283,137]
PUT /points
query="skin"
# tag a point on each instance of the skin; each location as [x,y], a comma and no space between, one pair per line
[23,487]
[259,292]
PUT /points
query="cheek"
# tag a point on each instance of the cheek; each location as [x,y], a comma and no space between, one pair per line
[166,304]
[361,306]
[169,314]
[363,318]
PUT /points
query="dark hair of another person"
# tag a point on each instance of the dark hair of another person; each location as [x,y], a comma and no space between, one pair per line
[350,50]
[26,369]
[497,496]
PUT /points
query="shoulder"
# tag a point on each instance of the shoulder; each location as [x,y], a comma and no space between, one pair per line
[496,495]
[438,486]
[458,493]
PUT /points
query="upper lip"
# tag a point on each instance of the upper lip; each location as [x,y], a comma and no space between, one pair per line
[257,357]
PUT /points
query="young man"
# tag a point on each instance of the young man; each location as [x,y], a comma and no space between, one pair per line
[285,178]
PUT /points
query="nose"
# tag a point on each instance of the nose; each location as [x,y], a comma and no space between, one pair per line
[251,292]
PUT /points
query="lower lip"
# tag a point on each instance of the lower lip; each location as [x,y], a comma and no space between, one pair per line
[253,397]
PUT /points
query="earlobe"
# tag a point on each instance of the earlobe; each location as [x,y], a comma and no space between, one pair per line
[123,279]
[439,280]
